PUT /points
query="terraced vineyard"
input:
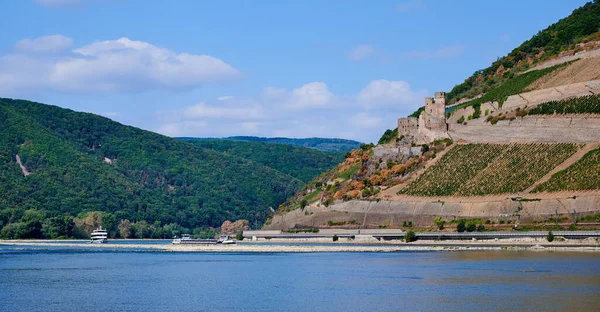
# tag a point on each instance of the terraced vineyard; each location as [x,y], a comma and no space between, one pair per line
[589,104]
[512,86]
[484,169]
[582,175]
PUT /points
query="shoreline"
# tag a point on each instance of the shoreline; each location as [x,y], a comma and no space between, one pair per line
[320,246]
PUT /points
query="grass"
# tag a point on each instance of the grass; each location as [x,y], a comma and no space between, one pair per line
[350,172]
[309,198]
[512,86]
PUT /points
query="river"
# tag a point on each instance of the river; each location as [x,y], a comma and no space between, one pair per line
[84,279]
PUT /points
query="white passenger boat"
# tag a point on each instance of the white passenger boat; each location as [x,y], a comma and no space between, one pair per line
[186,239]
[99,236]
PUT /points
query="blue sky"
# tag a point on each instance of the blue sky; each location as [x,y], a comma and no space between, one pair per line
[306,68]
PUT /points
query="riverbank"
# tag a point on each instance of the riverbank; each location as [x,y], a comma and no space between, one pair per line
[306,246]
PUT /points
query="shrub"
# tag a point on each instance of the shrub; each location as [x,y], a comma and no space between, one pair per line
[335,237]
[303,203]
[239,236]
[550,236]
[461,119]
[439,222]
[572,227]
[460,227]
[480,228]
[410,236]
[471,227]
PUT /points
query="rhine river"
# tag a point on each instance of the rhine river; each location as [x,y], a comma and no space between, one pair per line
[83,279]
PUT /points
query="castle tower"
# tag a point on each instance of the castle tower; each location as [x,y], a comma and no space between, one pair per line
[435,112]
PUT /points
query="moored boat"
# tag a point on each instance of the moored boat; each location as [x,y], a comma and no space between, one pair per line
[99,236]
[186,239]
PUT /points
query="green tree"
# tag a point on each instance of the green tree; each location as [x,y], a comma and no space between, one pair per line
[303,203]
[410,236]
[550,236]
[471,227]
[460,227]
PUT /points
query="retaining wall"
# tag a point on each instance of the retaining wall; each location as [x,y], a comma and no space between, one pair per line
[423,212]
[530,129]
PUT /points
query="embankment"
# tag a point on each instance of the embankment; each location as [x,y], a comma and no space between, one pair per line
[422,211]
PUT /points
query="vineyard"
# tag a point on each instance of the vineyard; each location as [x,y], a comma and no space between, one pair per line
[510,87]
[582,175]
[589,104]
[483,169]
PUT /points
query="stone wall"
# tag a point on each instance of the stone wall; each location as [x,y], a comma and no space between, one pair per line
[396,151]
[534,98]
[528,99]
[423,212]
[530,129]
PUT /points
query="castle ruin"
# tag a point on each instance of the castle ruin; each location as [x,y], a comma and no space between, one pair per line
[429,126]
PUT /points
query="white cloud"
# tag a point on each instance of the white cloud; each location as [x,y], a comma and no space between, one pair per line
[203,110]
[407,6]
[250,127]
[311,95]
[113,65]
[364,120]
[360,52]
[307,111]
[183,128]
[46,44]
[381,93]
[441,52]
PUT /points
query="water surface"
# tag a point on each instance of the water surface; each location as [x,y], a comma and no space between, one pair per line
[83,279]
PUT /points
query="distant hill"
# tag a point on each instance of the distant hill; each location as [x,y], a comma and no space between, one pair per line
[322,144]
[80,162]
[299,162]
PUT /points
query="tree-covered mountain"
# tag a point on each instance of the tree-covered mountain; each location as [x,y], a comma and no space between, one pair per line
[322,144]
[80,162]
[299,162]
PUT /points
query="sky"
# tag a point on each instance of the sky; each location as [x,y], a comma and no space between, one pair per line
[344,69]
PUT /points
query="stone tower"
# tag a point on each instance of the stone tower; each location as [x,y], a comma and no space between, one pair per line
[435,112]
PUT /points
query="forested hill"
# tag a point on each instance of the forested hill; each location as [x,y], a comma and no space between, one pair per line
[299,162]
[80,162]
[322,144]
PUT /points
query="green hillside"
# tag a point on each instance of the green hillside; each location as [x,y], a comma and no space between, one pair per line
[581,26]
[322,144]
[299,162]
[152,178]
